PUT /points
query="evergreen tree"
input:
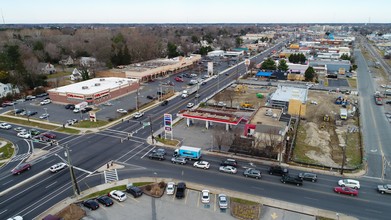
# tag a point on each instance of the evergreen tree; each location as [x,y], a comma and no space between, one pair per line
[282,65]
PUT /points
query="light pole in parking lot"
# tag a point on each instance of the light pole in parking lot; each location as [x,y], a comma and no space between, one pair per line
[46,112]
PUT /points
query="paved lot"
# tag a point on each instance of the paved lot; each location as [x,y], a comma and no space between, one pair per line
[338,83]
[166,207]
[270,213]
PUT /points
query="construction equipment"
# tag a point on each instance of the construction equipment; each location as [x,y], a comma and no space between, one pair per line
[241,88]
[246,105]
[326,118]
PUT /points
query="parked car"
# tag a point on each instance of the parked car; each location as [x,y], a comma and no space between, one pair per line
[349,183]
[150,97]
[138,115]
[117,195]
[190,105]
[223,202]
[30,97]
[229,162]
[164,103]
[156,156]
[384,188]
[45,102]
[228,169]
[134,191]
[308,176]
[251,172]
[178,79]
[18,111]
[179,160]
[205,198]
[44,115]
[107,104]
[122,111]
[57,167]
[105,200]
[70,106]
[170,188]
[221,104]
[86,109]
[193,75]
[23,135]
[5,126]
[180,190]
[292,180]
[49,135]
[31,113]
[21,168]
[346,191]
[202,164]
[278,170]
[91,204]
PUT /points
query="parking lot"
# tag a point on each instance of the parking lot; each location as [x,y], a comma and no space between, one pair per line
[166,207]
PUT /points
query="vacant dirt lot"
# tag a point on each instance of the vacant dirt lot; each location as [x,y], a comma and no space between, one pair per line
[321,142]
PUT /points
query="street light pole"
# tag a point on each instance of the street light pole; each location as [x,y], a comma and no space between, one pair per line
[46,112]
[150,124]
[75,187]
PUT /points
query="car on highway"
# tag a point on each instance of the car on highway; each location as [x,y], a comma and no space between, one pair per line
[34,132]
[292,180]
[18,217]
[197,95]
[91,204]
[229,162]
[150,97]
[308,176]
[179,160]
[57,167]
[23,134]
[202,164]
[20,129]
[278,170]
[5,126]
[164,103]
[180,190]
[134,191]
[346,190]
[223,201]
[45,102]
[44,115]
[117,195]
[228,169]
[251,172]
[159,151]
[205,196]
[156,156]
[122,111]
[21,168]
[355,184]
[190,105]
[49,135]
[105,200]
[138,115]
[384,188]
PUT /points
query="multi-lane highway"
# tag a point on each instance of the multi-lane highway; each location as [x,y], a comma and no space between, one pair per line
[91,151]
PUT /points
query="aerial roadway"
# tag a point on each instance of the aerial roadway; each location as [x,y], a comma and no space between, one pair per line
[91,151]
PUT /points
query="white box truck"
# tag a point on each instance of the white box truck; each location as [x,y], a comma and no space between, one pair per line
[80,106]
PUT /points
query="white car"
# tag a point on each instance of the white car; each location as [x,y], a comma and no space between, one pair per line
[5,126]
[205,198]
[349,183]
[193,75]
[57,167]
[228,169]
[221,104]
[170,188]
[202,164]
[122,111]
[138,115]
[16,218]
[118,195]
[20,129]
[44,115]
[45,102]
[190,105]
[223,203]
[23,135]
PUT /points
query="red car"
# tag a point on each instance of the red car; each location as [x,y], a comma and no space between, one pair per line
[21,168]
[346,190]
[178,79]
[49,135]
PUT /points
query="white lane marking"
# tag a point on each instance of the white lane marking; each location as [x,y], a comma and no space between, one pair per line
[50,184]
[148,151]
[50,161]
[311,198]
[129,152]
[140,151]
[255,187]
[3,211]
[7,182]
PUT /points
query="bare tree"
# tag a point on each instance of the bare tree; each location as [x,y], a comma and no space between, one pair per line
[230,95]
[221,137]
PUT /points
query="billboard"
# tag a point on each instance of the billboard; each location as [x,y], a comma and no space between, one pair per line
[167,121]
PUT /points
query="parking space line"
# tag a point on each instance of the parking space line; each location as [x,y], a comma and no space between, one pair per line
[198,200]
[215,203]
[187,195]
[134,199]
[119,203]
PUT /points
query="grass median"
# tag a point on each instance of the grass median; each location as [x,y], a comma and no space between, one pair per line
[106,191]
[245,209]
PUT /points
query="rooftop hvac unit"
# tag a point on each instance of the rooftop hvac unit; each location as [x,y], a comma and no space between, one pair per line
[97,84]
[101,79]
[84,87]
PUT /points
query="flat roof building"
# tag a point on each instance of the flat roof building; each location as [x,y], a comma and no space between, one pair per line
[93,91]
[282,96]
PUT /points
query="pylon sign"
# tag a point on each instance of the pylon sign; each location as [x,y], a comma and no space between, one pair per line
[167,121]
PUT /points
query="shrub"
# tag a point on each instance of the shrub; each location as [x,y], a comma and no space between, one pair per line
[148,187]
[162,185]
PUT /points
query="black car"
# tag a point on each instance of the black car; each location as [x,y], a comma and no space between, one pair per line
[156,156]
[150,97]
[161,93]
[31,113]
[164,103]
[229,162]
[70,106]
[308,176]
[91,204]
[292,180]
[86,109]
[18,111]
[278,170]
[105,200]
[180,190]
[135,191]
[251,172]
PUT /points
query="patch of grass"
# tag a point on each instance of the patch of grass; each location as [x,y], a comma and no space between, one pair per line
[28,123]
[301,147]
[244,209]
[352,82]
[353,153]
[326,82]
[68,130]
[91,124]
[104,192]
[243,201]
[168,141]
[142,183]
[1,164]
[58,74]
[323,218]
[7,151]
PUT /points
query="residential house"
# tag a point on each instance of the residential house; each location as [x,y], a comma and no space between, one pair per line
[47,68]
[87,61]
[67,61]
[6,89]
[76,75]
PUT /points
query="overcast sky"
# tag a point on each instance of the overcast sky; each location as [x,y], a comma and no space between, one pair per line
[195,11]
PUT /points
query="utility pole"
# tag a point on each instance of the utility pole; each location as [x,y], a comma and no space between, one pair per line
[75,187]
[344,151]
[137,94]
[150,124]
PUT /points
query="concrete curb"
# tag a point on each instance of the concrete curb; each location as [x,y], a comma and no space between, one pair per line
[262,200]
[22,183]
